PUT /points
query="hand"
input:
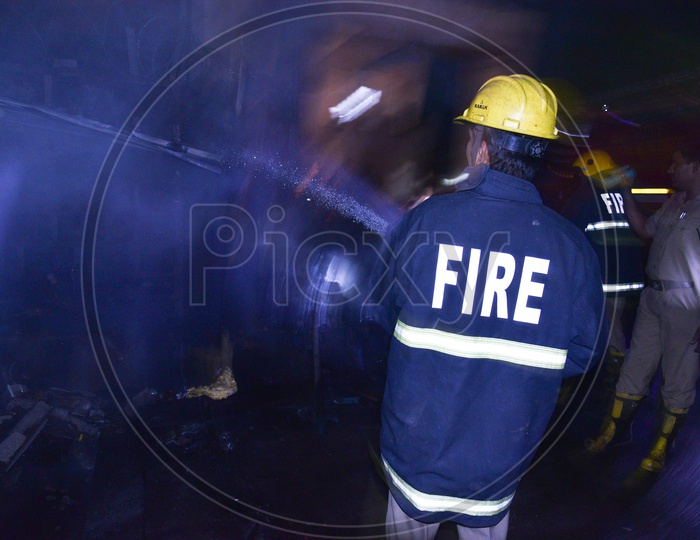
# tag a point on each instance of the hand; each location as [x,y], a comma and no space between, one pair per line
[696,340]
[628,175]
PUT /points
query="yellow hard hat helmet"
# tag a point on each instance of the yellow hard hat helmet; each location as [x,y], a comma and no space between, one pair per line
[600,168]
[514,103]
[595,164]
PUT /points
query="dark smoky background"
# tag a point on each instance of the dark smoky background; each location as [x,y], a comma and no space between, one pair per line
[246,126]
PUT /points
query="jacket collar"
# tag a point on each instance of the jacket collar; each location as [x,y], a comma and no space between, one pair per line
[496,184]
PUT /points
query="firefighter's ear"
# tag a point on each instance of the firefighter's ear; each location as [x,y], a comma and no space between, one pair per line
[482,155]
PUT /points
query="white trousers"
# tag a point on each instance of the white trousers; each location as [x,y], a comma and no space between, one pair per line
[400,526]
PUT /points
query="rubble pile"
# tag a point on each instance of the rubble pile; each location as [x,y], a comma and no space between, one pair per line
[26,414]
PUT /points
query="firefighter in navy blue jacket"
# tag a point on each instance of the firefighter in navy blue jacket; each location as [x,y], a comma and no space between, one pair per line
[597,207]
[492,299]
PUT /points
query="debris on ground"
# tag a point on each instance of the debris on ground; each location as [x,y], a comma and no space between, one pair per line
[215,364]
[28,413]
[223,387]
[188,438]
[145,397]
[23,434]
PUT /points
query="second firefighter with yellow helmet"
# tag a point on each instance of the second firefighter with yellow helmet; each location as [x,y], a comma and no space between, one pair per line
[597,208]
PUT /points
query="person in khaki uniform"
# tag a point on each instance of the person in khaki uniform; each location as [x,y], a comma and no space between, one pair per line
[667,327]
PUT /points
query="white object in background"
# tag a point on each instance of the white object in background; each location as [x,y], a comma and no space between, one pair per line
[356,104]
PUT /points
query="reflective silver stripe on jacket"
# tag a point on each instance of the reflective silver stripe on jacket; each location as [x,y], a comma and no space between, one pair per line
[515,352]
[623,287]
[601,225]
[426,502]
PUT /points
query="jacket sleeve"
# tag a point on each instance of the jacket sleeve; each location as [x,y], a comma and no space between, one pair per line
[380,306]
[589,329]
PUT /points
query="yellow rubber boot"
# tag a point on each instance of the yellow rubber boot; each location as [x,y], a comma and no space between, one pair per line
[672,421]
[620,414]
[667,427]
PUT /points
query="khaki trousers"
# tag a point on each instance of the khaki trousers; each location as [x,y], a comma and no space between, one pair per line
[665,324]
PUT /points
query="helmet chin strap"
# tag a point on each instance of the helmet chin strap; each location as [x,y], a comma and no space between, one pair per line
[528,146]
